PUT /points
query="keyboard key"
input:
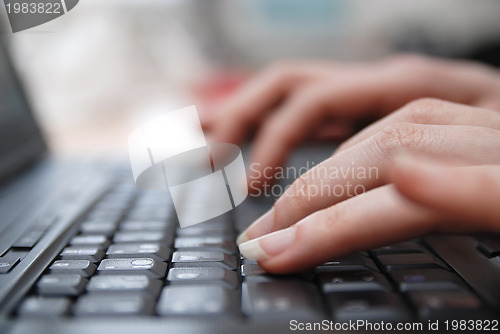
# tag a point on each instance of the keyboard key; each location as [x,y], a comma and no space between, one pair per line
[206,243]
[99,227]
[118,205]
[271,298]
[105,215]
[251,269]
[125,283]
[446,304]
[97,240]
[114,305]
[7,262]
[196,231]
[83,268]
[367,305]
[61,284]
[197,300]
[44,307]
[401,247]
[353,281]
[203,275]
[153,250]
[147,236]
[410,261]
[146,266]
[489,245]
[352,262]
[29,238]
[150,225]
[203,259]
[148,214]
[93,254]
[425,279]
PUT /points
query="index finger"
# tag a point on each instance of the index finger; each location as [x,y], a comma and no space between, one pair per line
[259,96]
[365,166]
[377,218]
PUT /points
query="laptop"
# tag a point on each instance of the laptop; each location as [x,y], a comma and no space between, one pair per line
[83,250]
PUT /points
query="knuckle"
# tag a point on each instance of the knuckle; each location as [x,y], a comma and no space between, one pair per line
[331,217]
[399,136]
[423,110]
[332,221]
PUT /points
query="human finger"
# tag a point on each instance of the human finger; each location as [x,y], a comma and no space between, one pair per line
[365,166]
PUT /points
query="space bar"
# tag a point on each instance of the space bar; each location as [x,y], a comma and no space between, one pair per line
[480,272]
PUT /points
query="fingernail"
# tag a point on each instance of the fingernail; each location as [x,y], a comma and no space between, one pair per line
[263,225]
[269,245]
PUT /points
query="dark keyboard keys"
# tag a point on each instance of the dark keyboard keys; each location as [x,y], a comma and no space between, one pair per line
[149,214]
[204,259]
[410,261]
[153,250]
[29,238]
[425,279]
[367,305]
[206,243]
[353,281]
[196,300]
[203,275]
[91,253]
[150,225]
[61,284]
[401,247]
[114,305]
[271,298]
[44,307]
[105,215]
[83,268]
[146,266]
[446,304]
[251,269]
[197,231]
[489,245]
[352,262]
[7,262]
[99,227]
[145,236]
[125,283]
[97,240]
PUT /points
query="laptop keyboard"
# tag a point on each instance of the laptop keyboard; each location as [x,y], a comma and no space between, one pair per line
[130,258]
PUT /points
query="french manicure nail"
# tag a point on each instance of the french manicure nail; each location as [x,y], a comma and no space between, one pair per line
[268,245]
[263,225]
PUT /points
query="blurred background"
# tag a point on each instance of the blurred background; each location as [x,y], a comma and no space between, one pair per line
[98,72]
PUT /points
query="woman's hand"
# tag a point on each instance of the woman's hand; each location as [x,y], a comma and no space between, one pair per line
[293,101]
[392,197]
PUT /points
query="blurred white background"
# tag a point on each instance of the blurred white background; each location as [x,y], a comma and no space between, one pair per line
[99,71]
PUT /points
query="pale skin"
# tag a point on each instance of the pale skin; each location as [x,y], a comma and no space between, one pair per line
[436,147]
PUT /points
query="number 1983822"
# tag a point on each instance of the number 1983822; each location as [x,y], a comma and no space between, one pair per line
[34,8]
